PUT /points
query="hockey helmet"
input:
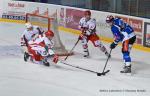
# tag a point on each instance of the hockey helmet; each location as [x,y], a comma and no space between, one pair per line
[28,25]
[109,19]
[87,12]
[49,33]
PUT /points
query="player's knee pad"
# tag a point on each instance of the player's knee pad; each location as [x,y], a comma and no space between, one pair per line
[126,57]
[85,46]
[84,41]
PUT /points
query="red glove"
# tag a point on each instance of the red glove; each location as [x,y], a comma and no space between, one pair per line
[81,36]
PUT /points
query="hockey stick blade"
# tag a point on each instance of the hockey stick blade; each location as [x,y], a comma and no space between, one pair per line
[103,73]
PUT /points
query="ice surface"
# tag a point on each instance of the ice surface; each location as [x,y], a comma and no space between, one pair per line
[19,78]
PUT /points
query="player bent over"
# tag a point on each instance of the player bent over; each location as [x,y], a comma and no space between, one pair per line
[122,33]
[87,26]
[29,33]
[41,49]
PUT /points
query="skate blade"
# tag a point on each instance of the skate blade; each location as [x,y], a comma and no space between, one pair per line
[87,57]
[127,74]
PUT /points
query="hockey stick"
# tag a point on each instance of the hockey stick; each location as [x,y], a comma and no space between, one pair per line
[72,49]
[78,67]
[104,72]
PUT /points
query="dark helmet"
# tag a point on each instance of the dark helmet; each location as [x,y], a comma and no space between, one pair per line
[87,12]
[109,18]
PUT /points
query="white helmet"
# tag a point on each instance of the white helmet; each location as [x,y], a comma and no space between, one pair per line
[28,25]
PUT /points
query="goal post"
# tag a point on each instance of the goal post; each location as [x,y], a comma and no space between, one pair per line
[47,23]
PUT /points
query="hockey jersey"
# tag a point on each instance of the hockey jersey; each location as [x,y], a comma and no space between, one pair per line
[89,25]
[121,30]
[44,42]
[28,35]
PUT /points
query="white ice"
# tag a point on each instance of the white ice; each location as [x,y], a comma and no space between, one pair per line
[19,78]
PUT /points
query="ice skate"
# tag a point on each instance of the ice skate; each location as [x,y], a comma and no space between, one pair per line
[126,70]
[46,63]
[26,56]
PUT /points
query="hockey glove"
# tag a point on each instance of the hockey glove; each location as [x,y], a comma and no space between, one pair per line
[113,45]
[81,36]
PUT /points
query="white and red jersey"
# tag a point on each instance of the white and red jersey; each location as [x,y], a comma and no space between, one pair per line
[41,47]
[89,25]
[29,35]
[42,41]
[88,29]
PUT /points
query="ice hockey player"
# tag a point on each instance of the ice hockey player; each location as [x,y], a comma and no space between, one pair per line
[41,48]
[124,33]
[29,33]
[87,26]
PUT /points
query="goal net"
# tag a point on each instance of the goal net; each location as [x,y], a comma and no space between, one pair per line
[48,23]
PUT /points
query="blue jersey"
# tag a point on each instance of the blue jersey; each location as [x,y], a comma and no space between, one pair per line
[121,30]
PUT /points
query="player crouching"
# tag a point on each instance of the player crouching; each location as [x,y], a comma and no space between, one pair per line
[41,48]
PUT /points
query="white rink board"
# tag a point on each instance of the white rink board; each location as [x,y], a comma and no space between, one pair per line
[22,8]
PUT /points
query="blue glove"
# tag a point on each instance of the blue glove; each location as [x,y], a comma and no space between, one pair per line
[113,45]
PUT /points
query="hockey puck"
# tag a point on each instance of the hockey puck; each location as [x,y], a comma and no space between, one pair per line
[99,74]
[103,73]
